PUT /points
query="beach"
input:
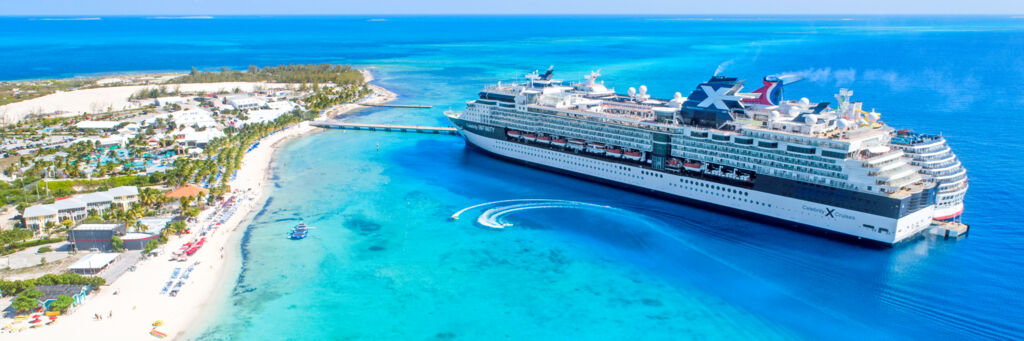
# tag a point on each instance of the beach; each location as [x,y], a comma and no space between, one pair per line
[130,305]
[104,99]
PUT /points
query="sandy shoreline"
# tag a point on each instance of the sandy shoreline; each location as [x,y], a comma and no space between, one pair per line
[138,302]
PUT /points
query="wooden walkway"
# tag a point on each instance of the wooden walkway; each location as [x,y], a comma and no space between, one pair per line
[333,124]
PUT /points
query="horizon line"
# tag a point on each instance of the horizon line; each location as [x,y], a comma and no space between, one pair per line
[752,15]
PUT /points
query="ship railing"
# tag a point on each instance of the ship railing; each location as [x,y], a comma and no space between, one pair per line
[951,177]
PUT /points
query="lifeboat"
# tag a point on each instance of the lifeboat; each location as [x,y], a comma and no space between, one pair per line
[558,142]
[613,152]
[692,165]
[595,147]
[633,155]
[577,144]
[544,139]
[530,137]
[674,164]
[514,134]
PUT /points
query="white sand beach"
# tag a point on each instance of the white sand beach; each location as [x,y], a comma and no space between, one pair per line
[138,303]
[102,99]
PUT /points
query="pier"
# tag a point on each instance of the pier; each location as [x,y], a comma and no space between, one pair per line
[333,124]
[411,106]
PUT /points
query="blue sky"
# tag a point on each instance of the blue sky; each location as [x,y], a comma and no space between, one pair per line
[247,7]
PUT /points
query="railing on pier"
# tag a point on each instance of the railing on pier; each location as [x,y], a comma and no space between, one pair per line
[384,127]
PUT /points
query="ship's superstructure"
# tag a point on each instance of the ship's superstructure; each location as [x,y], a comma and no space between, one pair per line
[796,162]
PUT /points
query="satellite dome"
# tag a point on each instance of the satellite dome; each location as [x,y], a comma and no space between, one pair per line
[805,101]
[632,91]
[678,96]
[643,90]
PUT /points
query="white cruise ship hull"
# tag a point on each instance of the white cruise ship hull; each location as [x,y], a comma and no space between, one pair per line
[766,206]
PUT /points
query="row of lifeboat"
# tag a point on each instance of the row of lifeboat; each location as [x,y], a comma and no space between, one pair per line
[578,145]
[677,165]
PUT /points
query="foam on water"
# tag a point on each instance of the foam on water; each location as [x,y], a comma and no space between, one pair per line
[385,265]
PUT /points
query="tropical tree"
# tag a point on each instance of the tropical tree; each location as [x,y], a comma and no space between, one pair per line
[62,304]
[117,243]
[27,300]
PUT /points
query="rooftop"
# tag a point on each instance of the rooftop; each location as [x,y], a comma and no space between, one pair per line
[96,125]
[52,292]
[94,261]
[186,191]
[97,227]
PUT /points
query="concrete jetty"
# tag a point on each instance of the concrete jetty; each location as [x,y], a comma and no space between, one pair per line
[334,124]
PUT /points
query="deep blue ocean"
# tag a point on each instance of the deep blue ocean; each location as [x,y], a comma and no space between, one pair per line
[384,262]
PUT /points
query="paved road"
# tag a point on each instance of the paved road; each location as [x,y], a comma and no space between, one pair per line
[121,265]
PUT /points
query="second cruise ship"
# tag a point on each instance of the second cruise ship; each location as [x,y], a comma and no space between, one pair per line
[833,168]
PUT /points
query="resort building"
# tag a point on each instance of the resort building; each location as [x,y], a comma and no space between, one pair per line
[36,217]
[124,196]
[95,237]
[195,117]
[189,137]
[186,191]
[52,292]
[94,263]
[115,141]
[96,125]
[244,102]
[77,207]
[162,101]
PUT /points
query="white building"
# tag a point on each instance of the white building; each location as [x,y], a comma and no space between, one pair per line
[107,142]
[96,125]
[195,117]
[189,137]
[77,207]
[162,101]
[245,102]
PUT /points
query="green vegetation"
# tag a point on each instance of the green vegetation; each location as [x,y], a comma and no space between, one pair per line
[11,92]
[61,304]
[19,245]
[27,300]
[306,73]
[327,97]
[68,187]
[150,246]
[44,249]
[117,244]
[155,92]
[10,288]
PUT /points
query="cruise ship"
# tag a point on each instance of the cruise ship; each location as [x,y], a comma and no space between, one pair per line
[832,168]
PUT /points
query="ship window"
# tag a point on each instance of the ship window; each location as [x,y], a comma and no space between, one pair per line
[799,149]
[764,144]
[831,154]
[700,134]
[741,140]
[717,137]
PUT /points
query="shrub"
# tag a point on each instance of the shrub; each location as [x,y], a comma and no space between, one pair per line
[62,303]
[44,249]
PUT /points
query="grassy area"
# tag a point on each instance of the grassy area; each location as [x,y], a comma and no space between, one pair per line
[306,73]
[11,92]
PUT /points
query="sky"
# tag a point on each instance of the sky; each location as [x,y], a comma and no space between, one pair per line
[342,7]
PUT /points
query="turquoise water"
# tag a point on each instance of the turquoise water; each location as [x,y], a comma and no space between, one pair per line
[384,262]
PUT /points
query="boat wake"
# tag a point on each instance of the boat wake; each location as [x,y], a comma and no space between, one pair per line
[494,217]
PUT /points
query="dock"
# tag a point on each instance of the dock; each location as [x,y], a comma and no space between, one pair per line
[411,106]
[334,124]
[949,229]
